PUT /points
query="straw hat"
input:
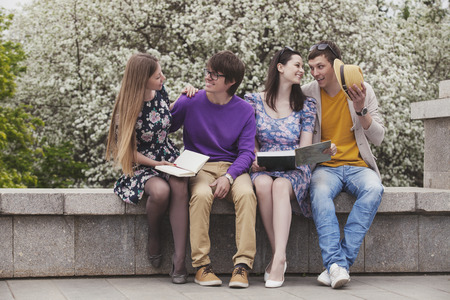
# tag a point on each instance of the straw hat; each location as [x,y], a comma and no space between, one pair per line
[347,75]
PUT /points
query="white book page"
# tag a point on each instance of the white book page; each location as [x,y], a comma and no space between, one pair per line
[191,161]
[175,171]
[276,153]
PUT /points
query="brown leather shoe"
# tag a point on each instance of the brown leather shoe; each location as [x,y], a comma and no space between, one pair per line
[205,276]
[239,278]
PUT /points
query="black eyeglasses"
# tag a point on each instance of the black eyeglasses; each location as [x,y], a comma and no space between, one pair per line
[284,49]
[213,75]
[322,47]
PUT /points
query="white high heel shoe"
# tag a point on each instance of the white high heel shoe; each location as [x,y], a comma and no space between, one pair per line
[274,283]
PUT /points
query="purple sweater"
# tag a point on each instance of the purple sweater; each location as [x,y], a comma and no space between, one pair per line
[223,132]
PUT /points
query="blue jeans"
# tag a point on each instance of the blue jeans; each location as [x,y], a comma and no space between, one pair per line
[326,184]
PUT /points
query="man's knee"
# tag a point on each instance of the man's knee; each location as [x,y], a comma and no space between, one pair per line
[373,192]
[201,194]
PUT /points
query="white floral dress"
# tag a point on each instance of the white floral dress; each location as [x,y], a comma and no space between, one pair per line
[152,128]
[284,134]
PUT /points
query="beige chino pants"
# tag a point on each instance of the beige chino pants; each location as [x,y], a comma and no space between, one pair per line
[241,194]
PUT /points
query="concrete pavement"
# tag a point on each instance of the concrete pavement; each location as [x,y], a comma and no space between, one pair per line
[383,287]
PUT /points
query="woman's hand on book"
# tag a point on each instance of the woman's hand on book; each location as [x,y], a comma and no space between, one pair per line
[164,163]
[256,168]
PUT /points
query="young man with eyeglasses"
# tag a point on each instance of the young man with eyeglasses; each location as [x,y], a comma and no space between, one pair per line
[221,125]
[350,123]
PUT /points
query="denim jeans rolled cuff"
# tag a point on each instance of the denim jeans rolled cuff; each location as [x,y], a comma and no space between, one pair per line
[326,184]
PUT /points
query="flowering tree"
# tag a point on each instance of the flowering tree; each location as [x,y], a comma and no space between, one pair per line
[77,50]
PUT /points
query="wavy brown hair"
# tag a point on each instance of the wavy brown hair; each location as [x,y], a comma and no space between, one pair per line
[121,145]
[296,98]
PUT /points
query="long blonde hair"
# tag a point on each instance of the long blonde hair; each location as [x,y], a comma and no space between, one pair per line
[121,145]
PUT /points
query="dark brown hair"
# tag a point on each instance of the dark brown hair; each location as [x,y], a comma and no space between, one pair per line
[329,55]
[296,98]
[230,65]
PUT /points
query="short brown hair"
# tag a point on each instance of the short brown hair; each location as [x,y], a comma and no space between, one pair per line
[329,55]
[230,65]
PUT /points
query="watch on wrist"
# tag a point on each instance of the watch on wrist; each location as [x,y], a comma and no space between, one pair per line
[363,112]
[230,178]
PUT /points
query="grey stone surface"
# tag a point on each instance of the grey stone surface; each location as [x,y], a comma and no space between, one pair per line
[398,199]
[437,152]
[31,202]
[221,207]
[436,179]
[104,245]
[223,243]
[6,248]
[88,289]
[434,287]
[391,245]
[5,292]
[37,289]
[298,245]
[434,244]
[433,200]
[444,89]
[117,244]
[143,266]
[92,202]
[344,202]
[139,209]
[430,109]
[43,246]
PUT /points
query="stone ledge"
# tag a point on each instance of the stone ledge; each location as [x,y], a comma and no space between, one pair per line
[91,232]
[81,202]
[430,109]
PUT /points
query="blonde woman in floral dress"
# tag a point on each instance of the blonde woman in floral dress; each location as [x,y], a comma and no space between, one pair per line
[138,141]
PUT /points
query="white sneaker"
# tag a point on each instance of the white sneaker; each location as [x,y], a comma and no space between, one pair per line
[339,276]
[324,278]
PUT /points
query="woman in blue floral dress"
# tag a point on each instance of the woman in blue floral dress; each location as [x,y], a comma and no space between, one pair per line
[285,121]
[138,141]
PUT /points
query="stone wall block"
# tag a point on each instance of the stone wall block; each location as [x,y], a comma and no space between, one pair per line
[433,200]
[399,200]
[437,152]
[92,202]
[143,266]
[297,254]
[444,89]
[391,244]
[6,248]
[43,246]
[434,244]
[104,245]
[139,209]
[31,202]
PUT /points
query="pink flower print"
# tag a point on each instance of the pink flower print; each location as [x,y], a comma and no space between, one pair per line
[154,117]
[147,136]
[165,122]
[139,124]
[162,137]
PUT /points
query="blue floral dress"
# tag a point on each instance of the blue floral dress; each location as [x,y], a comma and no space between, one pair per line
[152,128]
[284,134]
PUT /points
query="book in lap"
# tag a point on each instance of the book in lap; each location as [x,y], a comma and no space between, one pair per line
[291,159]
[186,165]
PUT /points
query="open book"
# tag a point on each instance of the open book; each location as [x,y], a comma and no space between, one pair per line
[291,159]
[186,165]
